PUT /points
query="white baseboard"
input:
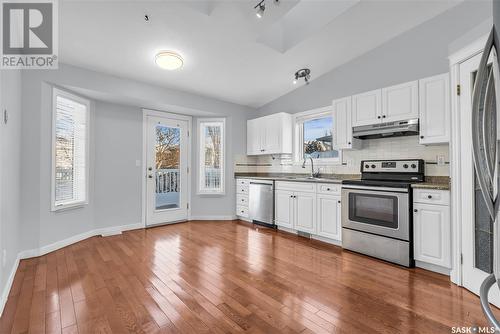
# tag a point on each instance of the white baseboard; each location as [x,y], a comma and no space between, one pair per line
[212,218]
[8,285]
[433,267]
[327,240]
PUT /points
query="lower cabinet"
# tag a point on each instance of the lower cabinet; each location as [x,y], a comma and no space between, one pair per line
[315,210]
[329,219]
[432,234]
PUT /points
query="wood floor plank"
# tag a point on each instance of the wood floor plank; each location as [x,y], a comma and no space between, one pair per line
[227,277]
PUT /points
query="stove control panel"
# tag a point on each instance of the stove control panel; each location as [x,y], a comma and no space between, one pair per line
[392,166]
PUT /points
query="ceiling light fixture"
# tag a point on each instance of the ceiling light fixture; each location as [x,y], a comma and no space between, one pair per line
[261,7]
[302,73]
[169,60]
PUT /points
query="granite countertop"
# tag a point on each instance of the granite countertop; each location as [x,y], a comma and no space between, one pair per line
[434,182]
[292,177]
[431,182]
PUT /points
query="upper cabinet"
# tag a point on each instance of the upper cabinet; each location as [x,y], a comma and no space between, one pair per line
[367,108]
[270,135]
[342,125]
[400,102]
[434,94]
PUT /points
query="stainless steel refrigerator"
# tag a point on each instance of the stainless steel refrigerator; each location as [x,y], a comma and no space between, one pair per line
[486,152]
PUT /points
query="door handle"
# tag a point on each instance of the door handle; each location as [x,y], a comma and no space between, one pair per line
[150,176]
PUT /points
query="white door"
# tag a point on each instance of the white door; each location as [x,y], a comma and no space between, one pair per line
[305,212]
[477,227]
[400,102]
[434,109]
[167,167]
[283,208]
[329,216]
[367,108]
[432,236]
[342,118]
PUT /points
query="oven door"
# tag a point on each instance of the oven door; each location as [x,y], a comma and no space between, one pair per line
[377,210]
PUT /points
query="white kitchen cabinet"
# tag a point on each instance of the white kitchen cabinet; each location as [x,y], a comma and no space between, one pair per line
[434,109]
[432,234]
[342,123]
[367,108]
[305,212]
[328,216]
[400,102]
[283,208]
[270,134]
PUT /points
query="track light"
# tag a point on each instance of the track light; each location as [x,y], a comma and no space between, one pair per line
[302,73]
[261,7]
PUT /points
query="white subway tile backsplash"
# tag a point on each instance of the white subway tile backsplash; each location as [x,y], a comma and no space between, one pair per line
[387,148]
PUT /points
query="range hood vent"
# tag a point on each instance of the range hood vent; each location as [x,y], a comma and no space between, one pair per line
[385,130]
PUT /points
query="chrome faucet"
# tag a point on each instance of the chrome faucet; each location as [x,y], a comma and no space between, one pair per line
[313,174]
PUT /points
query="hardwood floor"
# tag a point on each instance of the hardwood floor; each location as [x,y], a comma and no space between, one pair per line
[225,277]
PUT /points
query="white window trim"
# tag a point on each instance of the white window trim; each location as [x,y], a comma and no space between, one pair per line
[58,92]
[201,152]
[298,120]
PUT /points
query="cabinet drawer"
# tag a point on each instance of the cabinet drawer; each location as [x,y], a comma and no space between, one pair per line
[430,196]
[242,182]
[329,188]
[242,200]
[296,186]
[242,189]
[242,211]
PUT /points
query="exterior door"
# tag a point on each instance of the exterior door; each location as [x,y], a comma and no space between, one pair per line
[167,168]
[477,226]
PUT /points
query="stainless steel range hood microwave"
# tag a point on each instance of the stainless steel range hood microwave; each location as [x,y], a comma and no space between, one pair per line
[389,129]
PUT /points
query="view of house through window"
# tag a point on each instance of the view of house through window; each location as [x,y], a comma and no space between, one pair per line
[211,142]
[317,138]
[168,141]
[70,168]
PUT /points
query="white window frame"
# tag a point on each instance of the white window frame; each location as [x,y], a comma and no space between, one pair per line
[298,136]
[75,204]
[201,123]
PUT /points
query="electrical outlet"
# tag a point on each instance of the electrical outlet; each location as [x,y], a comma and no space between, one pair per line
[4,258]
[440,160]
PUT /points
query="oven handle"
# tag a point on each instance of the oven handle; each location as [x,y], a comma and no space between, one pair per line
[390,189]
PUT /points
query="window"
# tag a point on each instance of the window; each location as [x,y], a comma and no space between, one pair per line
[211,139]
[70,170]
[313,136]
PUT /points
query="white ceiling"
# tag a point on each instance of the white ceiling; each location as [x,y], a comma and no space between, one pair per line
[230,54]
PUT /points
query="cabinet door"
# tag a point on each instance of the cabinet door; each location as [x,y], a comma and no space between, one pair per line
[434,109]
[431,225]
[305,212]
[328,216]
[400,102]
[253,137]
[271,136]
[342,127]
[283,208]
[367,108]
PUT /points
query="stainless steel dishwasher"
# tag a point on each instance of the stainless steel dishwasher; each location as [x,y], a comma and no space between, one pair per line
[261,202]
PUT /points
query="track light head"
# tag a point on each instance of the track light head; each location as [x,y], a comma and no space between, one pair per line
[261,7]
[302,73]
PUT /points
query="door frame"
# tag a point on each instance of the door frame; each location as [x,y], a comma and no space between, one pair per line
[156,113]
[469,51]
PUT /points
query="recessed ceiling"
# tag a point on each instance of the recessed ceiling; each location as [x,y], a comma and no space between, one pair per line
[228,53]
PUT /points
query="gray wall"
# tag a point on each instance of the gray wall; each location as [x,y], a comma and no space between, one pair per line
[420,52]
[10,176]
[496,17]
[115,192]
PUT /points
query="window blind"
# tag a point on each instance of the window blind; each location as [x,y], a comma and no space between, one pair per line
[70,146]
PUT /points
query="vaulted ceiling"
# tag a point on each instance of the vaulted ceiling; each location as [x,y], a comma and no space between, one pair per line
[229,53]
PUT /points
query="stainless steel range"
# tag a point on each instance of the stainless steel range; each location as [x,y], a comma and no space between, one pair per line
[377,219]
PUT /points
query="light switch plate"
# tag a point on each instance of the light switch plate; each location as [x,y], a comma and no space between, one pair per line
[440,160]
